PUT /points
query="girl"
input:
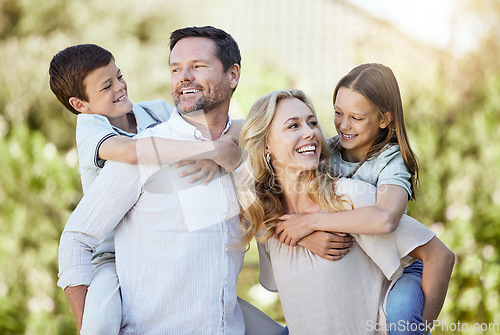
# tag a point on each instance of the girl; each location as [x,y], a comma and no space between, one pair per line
[372,145]
[288,171]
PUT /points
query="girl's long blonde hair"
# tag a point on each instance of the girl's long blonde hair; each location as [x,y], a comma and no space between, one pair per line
[260,194]
[379,85]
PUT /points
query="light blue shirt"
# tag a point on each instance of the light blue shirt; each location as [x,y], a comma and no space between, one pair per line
[176,254]
[388,168]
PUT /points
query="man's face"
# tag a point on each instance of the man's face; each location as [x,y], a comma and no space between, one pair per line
[199,83]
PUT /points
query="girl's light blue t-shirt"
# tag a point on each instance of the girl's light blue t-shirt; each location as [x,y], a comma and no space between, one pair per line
[388,168]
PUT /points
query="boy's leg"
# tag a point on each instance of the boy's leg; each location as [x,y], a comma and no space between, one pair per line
[103,304]
[257,322]
[405,303]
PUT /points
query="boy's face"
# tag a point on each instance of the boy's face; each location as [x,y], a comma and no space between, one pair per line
[107,93]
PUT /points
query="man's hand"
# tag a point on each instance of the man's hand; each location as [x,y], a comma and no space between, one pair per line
[204,169]
[330,246]
[228,152]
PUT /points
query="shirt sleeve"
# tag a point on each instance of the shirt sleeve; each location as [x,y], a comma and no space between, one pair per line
[106,203]
[91,131]
[393,170]
[160,109]
[388,251]
[266,274]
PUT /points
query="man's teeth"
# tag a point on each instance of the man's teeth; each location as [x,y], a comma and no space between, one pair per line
[190,91]
[121,99]
[308,148]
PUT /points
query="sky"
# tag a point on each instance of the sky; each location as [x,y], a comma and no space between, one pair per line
[428,20]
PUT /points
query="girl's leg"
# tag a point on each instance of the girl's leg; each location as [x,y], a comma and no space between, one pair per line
[405,303]
[103,304]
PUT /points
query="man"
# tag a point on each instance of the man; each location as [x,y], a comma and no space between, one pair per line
[175,241]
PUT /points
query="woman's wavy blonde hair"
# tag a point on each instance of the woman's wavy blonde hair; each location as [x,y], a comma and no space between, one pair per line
[260,194]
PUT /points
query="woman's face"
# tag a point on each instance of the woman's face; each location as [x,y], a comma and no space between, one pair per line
[294,140]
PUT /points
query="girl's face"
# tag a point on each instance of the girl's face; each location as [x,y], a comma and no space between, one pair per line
[357,122]
[294,141]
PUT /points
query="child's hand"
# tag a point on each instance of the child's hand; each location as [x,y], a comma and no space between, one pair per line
[228,152]
[203,169]
[330,246]
[291,228]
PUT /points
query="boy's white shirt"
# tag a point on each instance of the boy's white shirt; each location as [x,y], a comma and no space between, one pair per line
[93,129]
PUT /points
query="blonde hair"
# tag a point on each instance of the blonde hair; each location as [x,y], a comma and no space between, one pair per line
[379,85]
[260,194]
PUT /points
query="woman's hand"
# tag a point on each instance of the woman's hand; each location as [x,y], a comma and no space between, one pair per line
[292,228]
[204,169]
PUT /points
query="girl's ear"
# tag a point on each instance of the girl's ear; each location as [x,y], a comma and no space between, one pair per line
[386,120]
[78,104]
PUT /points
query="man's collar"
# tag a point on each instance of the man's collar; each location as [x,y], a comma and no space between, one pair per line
[184,128]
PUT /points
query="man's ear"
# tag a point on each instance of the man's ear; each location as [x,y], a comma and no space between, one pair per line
[386,120]
[78,104]
[234,75]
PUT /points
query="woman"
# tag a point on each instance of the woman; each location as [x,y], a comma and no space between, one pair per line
[287,171]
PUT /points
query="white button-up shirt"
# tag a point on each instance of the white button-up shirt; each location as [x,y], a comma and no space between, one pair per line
[176,253]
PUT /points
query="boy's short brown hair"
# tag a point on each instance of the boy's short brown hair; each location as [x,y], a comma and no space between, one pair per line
[69,68]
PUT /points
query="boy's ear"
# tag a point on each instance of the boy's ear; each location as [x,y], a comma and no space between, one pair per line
[386,120]
[78,104]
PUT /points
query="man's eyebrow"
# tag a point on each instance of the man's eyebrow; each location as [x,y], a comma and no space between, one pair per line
[192,61]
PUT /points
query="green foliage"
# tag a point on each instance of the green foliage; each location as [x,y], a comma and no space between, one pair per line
[40,187]
[452,118]
[457,143]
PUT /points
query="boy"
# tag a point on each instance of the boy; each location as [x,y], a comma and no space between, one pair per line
[86,80]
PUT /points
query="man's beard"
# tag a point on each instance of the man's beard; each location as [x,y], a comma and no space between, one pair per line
[205,103]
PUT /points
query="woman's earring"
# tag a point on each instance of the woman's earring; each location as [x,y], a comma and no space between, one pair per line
[268,158]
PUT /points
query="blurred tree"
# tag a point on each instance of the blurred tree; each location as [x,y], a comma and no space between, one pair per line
[40,187]
[455,124]
[452,117]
